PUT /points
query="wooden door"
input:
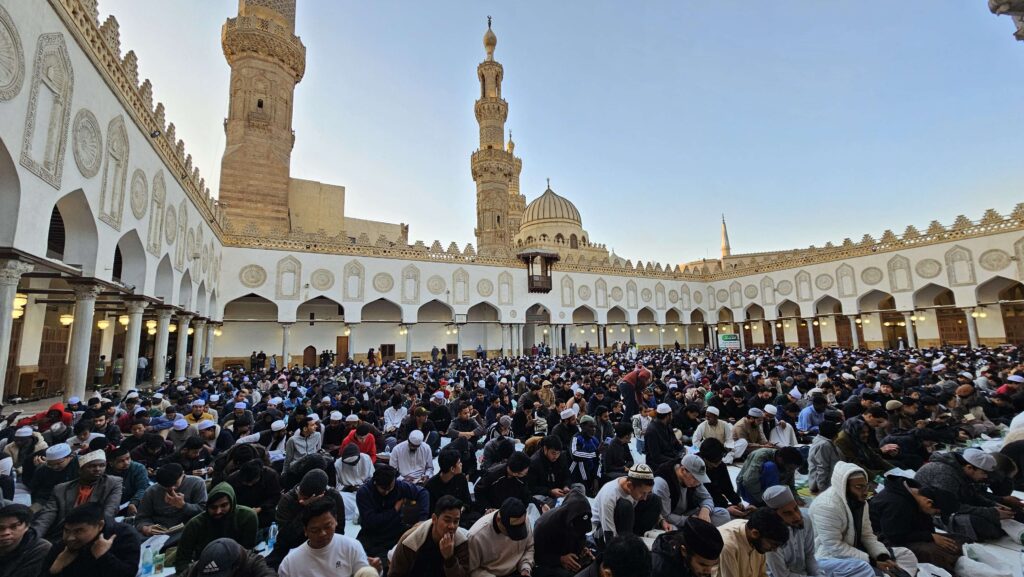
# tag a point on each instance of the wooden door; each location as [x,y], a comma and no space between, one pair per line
[1013,323]
[341,351]
[844,336]
[748,334]
[952,328]
[387,352]
[803,337]
[12,357]
[309,357]
[817,333]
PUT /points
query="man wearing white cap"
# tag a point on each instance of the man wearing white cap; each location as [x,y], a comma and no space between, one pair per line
[796,558]
[93,485]
[58,469]
[749,429]
[780,433]
[713,428]
[661,444]
[413,459]
[980,511]
[26,443]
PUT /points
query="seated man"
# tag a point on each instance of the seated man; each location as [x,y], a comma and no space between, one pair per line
[745,542]
[503,481]
[93,485]
[625,505]
[842,524]
[560,538]
[680,488]
[413,459]
[980,512]
[134,480]
[822,457]
[625,556]
[325,552]
[449,480]
[22,551]
[722,491]
[258,487]
[765,468]
[547,479]
[313,487]
[223,518]
[691,551]
[171,501]
[501,542]
[903,515]
[61,467]
[434,547]
[750,430]
[796,558]
[382,505]
[230,559]
[92,546]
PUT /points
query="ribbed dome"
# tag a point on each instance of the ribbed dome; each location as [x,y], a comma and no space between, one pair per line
[550,206]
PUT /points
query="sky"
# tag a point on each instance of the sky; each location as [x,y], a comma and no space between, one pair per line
[802,121]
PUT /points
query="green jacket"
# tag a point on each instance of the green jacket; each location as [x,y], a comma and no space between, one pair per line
[240,524]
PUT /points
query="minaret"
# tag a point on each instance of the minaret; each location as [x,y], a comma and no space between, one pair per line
[492,165]
[516,200]
[726,249]
[267,60]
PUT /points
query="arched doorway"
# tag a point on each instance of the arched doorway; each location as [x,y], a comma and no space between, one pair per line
[538,317]
[309,357]
[247,319]
[891,329]
[1008,296]
[380,328]
[699,320]
[320,323]
[483,324]
[791,328]
[937,321]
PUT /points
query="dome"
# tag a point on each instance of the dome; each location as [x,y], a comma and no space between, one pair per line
[490,42]
[550,206]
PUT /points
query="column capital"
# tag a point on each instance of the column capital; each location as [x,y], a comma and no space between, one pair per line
[185,317]
[11,270]
[164,312]
[135,306]
[199,322]
[286,325]
[86,291]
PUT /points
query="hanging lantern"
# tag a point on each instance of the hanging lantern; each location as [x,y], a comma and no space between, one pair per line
[17,313]
[123,320]
[172,328]
[151,324]
[66,319]
[20,301]
[348,331]
[151,331]
[217,332]
[191,331]
[102,324]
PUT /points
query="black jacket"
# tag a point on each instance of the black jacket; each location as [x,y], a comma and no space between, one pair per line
[496,485]
[544,475]
[26,560]
[895,516]
[122,560]
[555,534]
[666,561]
[660,444]
[265,494]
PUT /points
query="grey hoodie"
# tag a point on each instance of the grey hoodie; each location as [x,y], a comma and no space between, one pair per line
[821,460]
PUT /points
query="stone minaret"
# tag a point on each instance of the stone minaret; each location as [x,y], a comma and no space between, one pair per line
[726,249]
[516,200]
[493,166]
[267,60]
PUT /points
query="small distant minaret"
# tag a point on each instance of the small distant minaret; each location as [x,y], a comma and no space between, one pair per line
[726,249]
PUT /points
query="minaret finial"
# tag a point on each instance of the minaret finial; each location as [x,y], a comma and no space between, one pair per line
[726,249]
[549,184]
[488,22]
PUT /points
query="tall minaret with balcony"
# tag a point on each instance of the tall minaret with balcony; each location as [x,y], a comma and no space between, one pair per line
[516,200]
[267,60]
[493,166]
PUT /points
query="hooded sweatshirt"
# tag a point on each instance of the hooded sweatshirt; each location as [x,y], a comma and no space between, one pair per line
[838,535]
[43,420]
[240,524]
[562,530]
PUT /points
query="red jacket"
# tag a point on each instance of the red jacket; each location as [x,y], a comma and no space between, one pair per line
[42,421]
[368,446]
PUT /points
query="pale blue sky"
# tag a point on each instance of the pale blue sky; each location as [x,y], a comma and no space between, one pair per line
[804,121]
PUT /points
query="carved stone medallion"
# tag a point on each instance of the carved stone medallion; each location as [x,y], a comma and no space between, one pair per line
[698,297]
[928,268]
[436,285]
[383,282]
[784,288]
[994,260]
[87,143]
[750,291]
[252,275]
[871,275]
[12,58]
[617,294]
[722,295]
[673,296]
[140,194]
[824,281]
[484,287]
[584,292]
[646,295]
[322,279]
[170,224]
[513,314]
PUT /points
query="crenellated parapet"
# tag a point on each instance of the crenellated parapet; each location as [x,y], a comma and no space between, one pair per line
[253,35]
[102,44]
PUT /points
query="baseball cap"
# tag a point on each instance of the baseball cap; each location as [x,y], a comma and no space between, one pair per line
[511,509]
[980,459]
[219,558]
[695,465]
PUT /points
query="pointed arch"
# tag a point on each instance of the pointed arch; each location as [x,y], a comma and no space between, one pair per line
[988,292]
[185,290]
[753,311]
[381,310]
[875,300]
[77,239]
[673,316]
[435,311]
[163,287]
[201,300]
[10,196]
[725,315]
[788,309]
[289,279]
[584,315]
[698,316]
[133,261]
[846,281]
[617,315]
[926,296]
[483,312]
[768,291]
[538,313]
[250,307]
[828,305]
[646,316]
[900,278]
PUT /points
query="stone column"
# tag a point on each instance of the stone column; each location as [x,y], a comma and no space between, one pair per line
[458,342]
[286,336]
[210,328]
[163,322]
[911,337]
[81,338]
[810,331]
[853,332]
[181,354]
[632,334]
[408,344]
[131,344]
[10,275]
[686,336]
[743,337]
[661,336]
[198,346]
[972,328]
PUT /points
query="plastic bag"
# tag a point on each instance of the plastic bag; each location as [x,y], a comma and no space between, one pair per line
[977,562]
[929,570]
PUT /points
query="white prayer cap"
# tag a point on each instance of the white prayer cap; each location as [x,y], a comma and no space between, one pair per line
[23,432]
[325,400]
[567,414]
[795,393]
[74,400]
[778,496]
[205,424]
[277,426]
[214,398]
[132,395]
[198,403]
[438,394]
[755,413]
[87,458]
[663,409]
[771,409]
[240,405]
[712,411]
[158,396]
[1015,379]
[415,438]
[180,424]
[58,451]
[274,401]
[352,418]
[337,416]
[966,375]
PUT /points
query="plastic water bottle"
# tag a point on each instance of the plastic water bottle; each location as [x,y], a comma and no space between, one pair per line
[147,561]
[272,536]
